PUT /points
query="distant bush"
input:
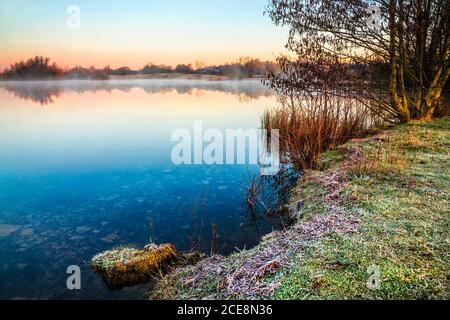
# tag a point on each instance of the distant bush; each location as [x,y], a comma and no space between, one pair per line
[243,68]
[86,73]
[39,68]
[247,68]
[123,71]
[34,68]
[184,68]
[154,69]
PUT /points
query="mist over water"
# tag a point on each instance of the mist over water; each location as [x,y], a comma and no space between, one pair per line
[85,167]
[45,92]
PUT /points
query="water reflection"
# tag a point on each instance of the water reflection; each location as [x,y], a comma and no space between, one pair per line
[46,92]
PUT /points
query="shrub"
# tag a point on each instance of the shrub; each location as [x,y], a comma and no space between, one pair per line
[34,68]
[312,124]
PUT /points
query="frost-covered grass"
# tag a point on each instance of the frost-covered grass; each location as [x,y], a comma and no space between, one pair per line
[402,192]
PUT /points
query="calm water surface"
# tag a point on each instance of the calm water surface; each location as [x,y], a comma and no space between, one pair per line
[85,167]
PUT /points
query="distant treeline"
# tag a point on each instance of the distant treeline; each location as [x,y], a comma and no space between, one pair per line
[41,68]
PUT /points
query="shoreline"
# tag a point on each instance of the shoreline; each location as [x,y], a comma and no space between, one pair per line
[342,237]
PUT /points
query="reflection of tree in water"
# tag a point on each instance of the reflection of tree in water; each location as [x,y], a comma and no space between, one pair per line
[47,91]
[35,94]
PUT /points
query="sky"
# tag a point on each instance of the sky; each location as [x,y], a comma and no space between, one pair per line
[136,32]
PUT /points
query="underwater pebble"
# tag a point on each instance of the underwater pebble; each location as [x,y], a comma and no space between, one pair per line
[110,238]
[7,229]
[82,230]
[28,232]
[22,266]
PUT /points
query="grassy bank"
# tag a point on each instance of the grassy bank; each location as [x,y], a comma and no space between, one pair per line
[377,204]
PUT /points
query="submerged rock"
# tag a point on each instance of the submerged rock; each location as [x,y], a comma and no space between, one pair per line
[7,229]
[82,230]
[27,232]
[126,267]
[110,238]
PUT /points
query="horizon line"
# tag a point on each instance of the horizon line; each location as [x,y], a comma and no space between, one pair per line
[96,66]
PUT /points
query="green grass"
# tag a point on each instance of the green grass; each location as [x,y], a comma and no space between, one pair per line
[402,196]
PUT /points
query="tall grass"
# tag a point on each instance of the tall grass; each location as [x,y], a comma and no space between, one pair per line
[312,124]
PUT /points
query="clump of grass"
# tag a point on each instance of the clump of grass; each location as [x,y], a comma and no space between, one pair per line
[380,160]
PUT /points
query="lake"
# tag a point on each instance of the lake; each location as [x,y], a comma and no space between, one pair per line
[85,166]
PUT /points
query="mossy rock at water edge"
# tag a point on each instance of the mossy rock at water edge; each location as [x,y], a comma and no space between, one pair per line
[126,266]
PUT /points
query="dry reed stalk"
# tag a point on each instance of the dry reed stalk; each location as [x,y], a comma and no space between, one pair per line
[213,240]
[313,124]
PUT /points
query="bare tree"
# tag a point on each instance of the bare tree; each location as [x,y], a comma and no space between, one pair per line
[345,42]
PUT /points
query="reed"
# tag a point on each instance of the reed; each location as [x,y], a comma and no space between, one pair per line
[214,249]
[312,124]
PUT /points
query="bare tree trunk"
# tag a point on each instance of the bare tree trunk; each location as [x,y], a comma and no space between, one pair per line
[434,93]
[397,104]
[401,36]
[419,57]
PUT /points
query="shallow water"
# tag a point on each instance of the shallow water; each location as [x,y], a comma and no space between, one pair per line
[85,167]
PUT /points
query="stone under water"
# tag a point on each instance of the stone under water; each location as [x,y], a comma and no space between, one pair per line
[7,229]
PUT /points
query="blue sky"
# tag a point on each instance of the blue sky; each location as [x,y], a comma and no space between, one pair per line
[134,32]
